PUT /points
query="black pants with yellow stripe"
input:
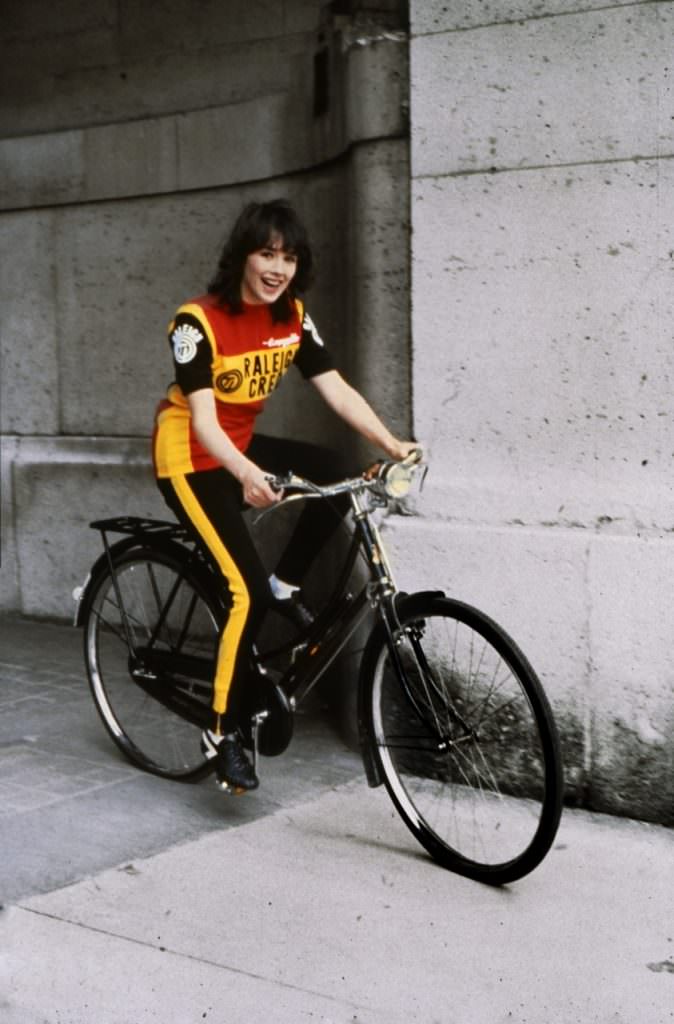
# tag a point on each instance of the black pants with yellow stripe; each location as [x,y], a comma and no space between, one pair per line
[210,504]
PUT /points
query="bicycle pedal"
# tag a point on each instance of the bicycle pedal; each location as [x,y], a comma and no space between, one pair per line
[228,790]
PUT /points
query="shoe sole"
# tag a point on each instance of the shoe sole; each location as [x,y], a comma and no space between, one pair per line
[230,790]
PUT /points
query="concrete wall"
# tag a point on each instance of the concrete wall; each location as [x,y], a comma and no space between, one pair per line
[130,136]
[542,197]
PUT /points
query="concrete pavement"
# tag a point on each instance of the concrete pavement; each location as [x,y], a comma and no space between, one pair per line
[131,900]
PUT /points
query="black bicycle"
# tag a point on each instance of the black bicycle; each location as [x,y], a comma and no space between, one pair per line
[452,718]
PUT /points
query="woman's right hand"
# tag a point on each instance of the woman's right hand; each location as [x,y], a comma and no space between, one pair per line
[256,489]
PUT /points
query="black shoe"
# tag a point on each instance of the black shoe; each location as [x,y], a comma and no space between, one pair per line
[294,609]
[233,770]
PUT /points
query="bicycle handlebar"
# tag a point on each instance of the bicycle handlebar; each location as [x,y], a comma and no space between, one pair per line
[391,479]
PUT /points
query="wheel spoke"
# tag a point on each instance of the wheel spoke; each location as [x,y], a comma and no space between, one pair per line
[167,612]
[466,742]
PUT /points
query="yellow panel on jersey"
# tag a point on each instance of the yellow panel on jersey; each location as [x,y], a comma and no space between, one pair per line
[251,376]
[250,354]
[172,449]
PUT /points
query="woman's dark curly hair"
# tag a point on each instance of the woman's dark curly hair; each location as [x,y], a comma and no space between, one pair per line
[255,228]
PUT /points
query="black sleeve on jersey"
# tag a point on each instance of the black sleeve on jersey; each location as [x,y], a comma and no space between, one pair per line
[313,357]
[192,355]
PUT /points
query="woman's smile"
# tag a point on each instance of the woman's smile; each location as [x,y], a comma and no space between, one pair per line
[267,273]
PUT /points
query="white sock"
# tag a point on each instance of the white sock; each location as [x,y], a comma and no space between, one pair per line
[280,589]
[217,737]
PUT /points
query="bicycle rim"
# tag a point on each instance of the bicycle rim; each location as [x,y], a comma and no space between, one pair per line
[466,743]
[174,631]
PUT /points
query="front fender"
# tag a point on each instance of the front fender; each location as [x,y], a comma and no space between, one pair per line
[405,605]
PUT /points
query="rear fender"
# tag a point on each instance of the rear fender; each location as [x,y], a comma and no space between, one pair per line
[83,595]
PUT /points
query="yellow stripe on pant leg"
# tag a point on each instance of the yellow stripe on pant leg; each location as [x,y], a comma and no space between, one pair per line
[238,613]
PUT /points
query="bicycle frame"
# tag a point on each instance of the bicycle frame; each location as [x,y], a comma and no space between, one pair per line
[310,652]
[344,612]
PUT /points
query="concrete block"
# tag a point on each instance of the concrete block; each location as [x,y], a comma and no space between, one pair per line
[580,88]
[28,328]
[177,25]
[630,585]
[591,614]
[132,158]
[114,358]
[9,566]
[55,85]
[379,296]
[200,149]
[428,16]
[41,169]
[38,73]
[377,86]
[533,386]
[60,486]
[22,21]
[533,583]
[217,146]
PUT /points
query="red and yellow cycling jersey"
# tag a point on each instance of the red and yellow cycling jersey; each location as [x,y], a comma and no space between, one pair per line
[243,357]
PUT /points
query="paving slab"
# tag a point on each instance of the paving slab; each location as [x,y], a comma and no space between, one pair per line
[71,805]
[129,899]
[329,912]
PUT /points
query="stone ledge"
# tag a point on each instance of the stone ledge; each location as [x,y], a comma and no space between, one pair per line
[53,488]
[213,147]
[586,611]
[35,450]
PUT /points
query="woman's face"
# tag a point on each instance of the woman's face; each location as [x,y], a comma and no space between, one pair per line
[267,273]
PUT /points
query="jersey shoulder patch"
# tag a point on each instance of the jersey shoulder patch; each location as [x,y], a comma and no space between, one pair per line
[310,326]
[185,339]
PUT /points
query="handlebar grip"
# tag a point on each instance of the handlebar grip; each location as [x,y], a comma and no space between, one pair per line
[415,456]
[275,482]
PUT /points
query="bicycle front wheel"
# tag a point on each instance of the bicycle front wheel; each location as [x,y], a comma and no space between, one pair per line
[150,641]
[464,738]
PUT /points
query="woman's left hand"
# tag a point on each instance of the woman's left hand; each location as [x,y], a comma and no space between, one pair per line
[401,449]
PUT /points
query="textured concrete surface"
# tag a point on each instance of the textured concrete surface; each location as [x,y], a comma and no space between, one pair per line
[565,601]
[577,86]
[542,355]
[326,912]
[71,805]
[60,487]
[129,900]
[131,143]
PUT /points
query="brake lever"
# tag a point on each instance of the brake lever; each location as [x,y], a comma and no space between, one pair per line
[279,483]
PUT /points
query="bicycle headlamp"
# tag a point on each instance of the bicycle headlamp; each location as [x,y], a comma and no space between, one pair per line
[396,478]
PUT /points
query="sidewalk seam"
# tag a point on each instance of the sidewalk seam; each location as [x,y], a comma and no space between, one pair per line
[195,959]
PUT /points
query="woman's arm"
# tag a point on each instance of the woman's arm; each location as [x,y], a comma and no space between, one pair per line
[350,405]
[256,490]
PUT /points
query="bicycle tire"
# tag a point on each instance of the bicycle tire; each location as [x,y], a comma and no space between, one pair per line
[139,711]
[465,741]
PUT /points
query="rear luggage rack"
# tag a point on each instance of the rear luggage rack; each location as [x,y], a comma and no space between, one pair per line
[136,526]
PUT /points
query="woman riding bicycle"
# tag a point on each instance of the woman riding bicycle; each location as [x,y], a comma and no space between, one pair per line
[231,348]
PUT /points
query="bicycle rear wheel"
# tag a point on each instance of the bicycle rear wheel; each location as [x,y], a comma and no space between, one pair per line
[155,694]
[464,738]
